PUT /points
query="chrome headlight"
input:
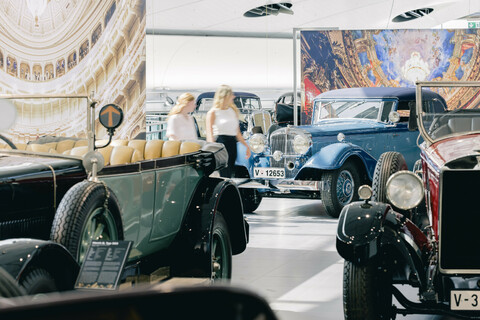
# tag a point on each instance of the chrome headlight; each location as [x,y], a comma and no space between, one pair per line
[301,143]
[405,190]
[257,143]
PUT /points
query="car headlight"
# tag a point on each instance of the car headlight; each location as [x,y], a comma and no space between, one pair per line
[405,190]
[257,143]
[301,143]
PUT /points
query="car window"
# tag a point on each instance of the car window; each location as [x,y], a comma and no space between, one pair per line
[205,104]
[350,109]
[247,104]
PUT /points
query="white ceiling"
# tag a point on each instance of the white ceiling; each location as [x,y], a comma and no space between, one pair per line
[226,16]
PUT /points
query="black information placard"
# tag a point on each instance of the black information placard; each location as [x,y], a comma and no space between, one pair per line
[103,265]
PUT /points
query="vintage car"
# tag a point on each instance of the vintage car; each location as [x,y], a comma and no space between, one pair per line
[253,117]
[157,194]
[283,108]
[330,158]
[419,228]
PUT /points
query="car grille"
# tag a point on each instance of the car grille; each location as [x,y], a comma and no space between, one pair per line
[282,140]
[37,228]
[459,221]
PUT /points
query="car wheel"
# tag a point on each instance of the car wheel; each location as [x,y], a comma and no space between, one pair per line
[9,288]
[367,292]
[389,163]
[221,250]
[339,188]
[88,211]
[251,199]
[38,280]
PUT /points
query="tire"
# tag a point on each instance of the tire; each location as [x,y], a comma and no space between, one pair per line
[389,163]
[82,209]
[221,250]
[9,288]
[38,280]
[251,199]
[367,292]
[343,184]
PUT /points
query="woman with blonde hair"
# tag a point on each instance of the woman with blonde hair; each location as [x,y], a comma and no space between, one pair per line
[180,124]
[223,126]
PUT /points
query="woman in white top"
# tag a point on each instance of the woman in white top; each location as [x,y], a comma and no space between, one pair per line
[180,124]
[223,126]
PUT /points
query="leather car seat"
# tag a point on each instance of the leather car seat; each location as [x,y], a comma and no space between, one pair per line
[153,149]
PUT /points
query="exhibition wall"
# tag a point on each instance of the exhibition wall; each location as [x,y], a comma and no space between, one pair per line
[389,58]
[197,63]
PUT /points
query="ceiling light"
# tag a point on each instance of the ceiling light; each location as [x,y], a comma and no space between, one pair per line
[269,9]
[412,15]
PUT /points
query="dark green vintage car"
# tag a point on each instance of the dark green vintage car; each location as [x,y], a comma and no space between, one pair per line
[157,194]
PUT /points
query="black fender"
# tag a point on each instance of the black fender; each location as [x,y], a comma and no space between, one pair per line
[18,255]
[210,196]
[373,230]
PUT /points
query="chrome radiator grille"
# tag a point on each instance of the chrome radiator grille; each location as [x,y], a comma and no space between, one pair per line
[282,140]
[459,221]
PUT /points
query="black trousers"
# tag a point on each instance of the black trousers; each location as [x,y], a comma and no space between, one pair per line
[230,143]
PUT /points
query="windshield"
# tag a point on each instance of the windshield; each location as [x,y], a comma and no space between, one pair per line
[243,104]
[449,109]
[47,119]
[357,109]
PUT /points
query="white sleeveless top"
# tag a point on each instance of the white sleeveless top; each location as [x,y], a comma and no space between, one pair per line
[183,128]
[226,122]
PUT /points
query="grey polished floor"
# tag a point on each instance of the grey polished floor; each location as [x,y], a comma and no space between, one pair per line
[292,262]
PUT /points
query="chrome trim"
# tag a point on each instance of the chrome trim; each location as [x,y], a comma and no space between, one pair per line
[440,213]
[280,185]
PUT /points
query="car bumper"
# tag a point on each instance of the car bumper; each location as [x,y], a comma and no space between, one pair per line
[280,186]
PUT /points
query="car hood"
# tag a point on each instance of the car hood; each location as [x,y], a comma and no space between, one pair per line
[453,148]
[334,126]
[12,165]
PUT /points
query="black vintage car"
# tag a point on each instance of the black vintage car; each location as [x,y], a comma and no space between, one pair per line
[60,193]
[419,228]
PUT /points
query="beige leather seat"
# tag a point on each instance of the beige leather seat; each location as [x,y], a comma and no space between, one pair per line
[64,145]
[124,155]
[153,149]
[171,148]
[189,147]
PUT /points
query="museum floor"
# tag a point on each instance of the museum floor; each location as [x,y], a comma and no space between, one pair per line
[291,261]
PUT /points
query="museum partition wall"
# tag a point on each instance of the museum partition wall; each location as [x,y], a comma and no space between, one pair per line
[334,59]
[94,48]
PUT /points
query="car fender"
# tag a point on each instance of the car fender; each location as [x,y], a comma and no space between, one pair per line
[334,155]
[21,254]
[373,230]
[211,195]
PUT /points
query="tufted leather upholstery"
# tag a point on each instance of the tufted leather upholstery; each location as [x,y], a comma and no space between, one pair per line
[153,149]
[171,148]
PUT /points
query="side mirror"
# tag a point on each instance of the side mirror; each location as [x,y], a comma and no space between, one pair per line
[111,117]
[394,117]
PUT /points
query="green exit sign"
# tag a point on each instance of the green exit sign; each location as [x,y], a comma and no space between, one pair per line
[474,24]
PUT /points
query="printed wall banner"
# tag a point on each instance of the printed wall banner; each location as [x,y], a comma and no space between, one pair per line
[334,59]
[68,47]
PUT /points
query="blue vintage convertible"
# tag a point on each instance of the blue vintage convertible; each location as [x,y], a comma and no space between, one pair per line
[331,157]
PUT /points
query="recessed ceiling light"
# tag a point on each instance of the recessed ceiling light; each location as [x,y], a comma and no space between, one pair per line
[412,15]
[269,9]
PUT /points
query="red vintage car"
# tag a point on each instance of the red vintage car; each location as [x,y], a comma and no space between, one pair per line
[419,228]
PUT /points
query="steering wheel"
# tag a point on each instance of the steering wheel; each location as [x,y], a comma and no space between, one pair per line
[7,141]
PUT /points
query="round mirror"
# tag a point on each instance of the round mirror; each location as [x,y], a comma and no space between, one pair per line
[394,117]
[110,116]
[8,112]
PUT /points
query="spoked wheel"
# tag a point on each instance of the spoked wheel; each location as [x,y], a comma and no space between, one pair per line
[83,215]
[341,188]
[367,292]
[221,250]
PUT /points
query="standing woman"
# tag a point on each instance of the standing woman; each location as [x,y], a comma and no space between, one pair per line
[223,126]
[180,124]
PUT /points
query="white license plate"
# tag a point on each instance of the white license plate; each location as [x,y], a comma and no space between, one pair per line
[272,173]
[465,300]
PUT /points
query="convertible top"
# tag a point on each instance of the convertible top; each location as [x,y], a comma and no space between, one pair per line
[376,92]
